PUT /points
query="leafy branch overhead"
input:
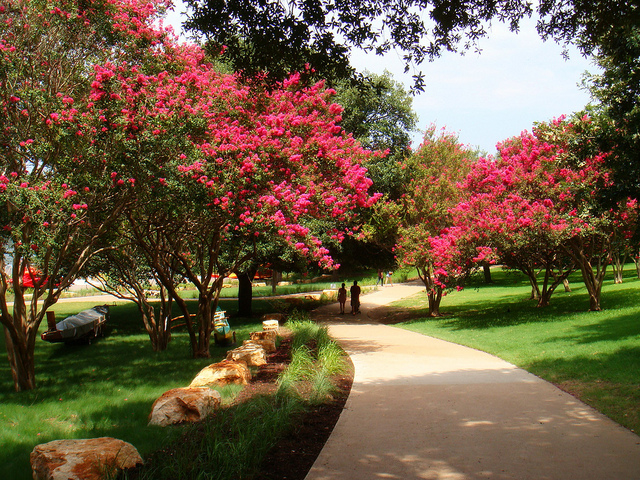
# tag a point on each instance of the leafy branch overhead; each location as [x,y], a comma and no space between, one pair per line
[278,37]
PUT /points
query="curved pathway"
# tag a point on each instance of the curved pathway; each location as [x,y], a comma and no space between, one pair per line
[422,408]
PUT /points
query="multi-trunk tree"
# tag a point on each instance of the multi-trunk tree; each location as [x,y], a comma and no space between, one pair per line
[55,192]
[538,207]
[428,238]
[109,124]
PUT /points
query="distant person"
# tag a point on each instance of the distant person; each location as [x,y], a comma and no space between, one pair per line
[380,278]
[389,281]
[342,298]
[355,298]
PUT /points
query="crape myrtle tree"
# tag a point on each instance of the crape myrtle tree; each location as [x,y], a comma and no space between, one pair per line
[286,163]
[616,119]
[278,37]
[515,211]
[613,211]
[191,160]
[241,165]
[537,206]
[56,152]
[428,237]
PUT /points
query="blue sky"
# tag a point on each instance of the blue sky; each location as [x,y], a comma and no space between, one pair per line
[486,98]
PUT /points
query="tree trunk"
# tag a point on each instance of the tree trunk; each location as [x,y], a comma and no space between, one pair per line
[245,294]
[20,331]
[22,362]
[617,265]
[486,269]
[205,320]
[592,280]
[187,318]
[535,291]
[157,324]
[435,297]
[552,278]
[275,278]
[533,280]
[434,292]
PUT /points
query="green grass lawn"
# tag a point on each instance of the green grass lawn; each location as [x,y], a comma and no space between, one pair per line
[593,355]
[103,389]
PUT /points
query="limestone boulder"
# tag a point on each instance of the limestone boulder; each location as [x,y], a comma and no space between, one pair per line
[266,339]
[88,459]
[252,354]
[269,347]
[222,373]
[330,294]
[264,335]
[181,405]
[271,325]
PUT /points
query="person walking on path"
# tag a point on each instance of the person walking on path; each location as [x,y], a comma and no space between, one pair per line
[355,298]
[389,281]
[342,298]
[380,279]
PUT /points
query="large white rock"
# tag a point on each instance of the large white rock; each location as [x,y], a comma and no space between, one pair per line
[222,373]
[88,459]
[180,405]
[252,354]
[272,325]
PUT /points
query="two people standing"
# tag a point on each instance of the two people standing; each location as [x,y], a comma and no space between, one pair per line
[381,277]
[355,298]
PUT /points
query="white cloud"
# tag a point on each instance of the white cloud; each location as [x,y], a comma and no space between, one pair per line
[517,80]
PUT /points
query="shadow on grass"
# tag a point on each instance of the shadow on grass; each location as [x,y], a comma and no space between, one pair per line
[610,330]
[608,382]
[496,312]
[511,309]
[131,427]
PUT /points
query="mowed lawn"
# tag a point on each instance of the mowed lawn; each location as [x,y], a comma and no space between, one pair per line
[593,355]
[103,389]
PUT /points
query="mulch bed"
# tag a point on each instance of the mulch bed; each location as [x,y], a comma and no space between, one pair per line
[293,456]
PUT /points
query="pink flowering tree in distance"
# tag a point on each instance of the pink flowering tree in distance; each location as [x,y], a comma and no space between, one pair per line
[536,207]
[428,239]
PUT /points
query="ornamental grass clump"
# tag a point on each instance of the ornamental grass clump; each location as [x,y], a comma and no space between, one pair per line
[315,358]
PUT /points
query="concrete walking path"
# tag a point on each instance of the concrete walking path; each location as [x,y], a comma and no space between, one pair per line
[422,408]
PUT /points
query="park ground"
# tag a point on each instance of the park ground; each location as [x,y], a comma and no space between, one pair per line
[593,355]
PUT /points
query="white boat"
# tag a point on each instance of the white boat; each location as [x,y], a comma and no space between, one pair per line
[82,326]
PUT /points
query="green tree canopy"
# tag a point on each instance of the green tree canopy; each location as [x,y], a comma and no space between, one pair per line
[379,113]
[616,117]
[278,37]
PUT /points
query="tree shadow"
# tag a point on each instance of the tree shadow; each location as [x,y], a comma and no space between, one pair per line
[131,427]
[512,309]
[608,382]
[610,330]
